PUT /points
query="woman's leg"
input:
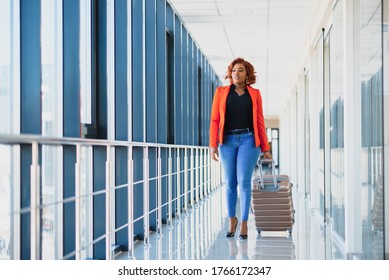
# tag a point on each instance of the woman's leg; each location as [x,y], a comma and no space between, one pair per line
[228,156]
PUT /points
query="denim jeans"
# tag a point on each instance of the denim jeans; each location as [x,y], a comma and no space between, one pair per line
[238,156]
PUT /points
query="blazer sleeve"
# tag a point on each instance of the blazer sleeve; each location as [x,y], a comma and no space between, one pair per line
[215,120]
[261,126]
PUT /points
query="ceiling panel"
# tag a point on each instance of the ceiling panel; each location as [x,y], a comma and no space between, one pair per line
[269,33]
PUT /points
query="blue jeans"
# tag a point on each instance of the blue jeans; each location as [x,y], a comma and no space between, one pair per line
[238,156]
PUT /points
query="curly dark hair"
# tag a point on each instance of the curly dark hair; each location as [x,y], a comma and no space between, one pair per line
[251,78]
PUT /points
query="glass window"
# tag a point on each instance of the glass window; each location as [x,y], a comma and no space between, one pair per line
[272,137]
[307,133]
[9,96]
[385,37]
[371,151]
[318,129]
[6,47]
[86,202]
[51,89]
[51,53]
[317,142]
[86,61]
[5,203]
[336,89]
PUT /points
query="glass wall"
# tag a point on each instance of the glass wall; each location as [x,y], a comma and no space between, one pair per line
[9,94]
[307,133]
[318,116]
[83,56]
[51,90]
[372,115]
[336,143]
[51,53]
[317,251]
[7,64]
[86,218]
[85,61]
[385,37]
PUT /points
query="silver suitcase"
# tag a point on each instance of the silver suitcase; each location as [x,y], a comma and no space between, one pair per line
[271,201]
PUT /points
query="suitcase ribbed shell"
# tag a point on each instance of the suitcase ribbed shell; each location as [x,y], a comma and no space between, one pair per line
[272,206]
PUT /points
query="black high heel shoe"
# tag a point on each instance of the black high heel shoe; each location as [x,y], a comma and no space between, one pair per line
[244,236]
[232,233]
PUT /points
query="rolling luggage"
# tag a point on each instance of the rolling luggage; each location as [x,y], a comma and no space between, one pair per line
[271,201]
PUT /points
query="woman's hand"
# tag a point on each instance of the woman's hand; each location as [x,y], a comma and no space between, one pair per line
[214,154]
[267,154]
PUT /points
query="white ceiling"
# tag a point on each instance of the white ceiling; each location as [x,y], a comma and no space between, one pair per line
[271,34]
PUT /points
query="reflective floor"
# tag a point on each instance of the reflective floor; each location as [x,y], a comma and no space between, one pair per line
[201,235]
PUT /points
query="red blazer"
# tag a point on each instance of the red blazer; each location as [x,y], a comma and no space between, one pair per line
[218,113]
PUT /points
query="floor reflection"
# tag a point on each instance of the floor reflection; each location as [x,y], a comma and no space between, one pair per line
[200,234]
[274,248]
[189,237]
[238,249]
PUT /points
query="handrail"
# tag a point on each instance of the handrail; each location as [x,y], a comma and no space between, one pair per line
[18,139]
[194,166]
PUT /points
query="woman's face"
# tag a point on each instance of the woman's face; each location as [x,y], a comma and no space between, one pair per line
[239,74]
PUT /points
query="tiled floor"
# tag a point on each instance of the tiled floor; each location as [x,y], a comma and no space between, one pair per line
[201,235]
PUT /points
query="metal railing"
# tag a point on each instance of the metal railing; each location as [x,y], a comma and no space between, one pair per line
[185,174]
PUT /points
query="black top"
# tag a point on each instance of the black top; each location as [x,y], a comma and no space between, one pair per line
[239,110]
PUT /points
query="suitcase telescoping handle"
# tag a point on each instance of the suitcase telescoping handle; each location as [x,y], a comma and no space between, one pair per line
[273,172]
